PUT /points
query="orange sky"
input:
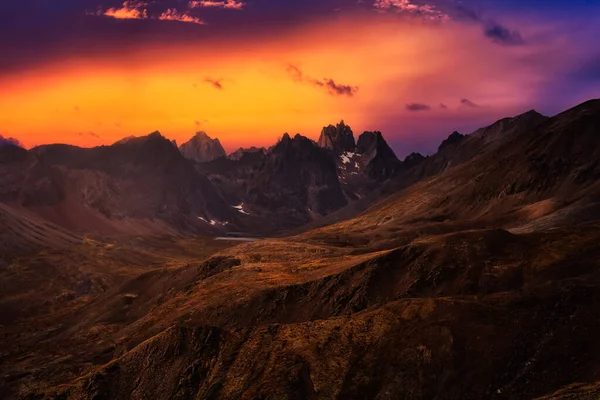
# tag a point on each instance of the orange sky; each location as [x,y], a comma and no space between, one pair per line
[89,102]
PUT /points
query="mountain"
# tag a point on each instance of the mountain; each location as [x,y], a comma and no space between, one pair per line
[201,148]
[239,153]
[338,138]
[381,162]
[297,179]
[474,275]
[141,185]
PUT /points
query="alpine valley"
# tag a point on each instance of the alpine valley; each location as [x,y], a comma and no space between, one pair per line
[307,270]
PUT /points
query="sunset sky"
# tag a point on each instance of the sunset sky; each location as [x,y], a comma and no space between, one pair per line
[89,72]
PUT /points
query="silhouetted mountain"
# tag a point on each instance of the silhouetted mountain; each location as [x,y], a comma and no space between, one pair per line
[296,179]
[381,162]
[9,142]
[454,139]
[239,153]
[201,148]
[338,138]
[479,281]
[143,184]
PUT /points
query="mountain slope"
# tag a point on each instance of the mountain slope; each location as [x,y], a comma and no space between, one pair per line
[141,185]
[456,287]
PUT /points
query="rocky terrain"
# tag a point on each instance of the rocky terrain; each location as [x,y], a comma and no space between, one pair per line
[202,148]
[473,273]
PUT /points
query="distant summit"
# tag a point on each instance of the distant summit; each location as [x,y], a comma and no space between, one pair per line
[338,138]
[239,153]
[452,140]
[202,148]
[382,161]
[9,141]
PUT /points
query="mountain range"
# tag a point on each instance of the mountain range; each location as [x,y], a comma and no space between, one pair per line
[471,273]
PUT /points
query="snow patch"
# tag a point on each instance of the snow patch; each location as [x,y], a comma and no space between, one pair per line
[345,159]
[240,209]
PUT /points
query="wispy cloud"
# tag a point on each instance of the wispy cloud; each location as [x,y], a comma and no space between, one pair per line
[328,84]
[230,4]
[90,134]
[129,10]
[502,35]
[493,30]
[468,103]
[426,11]
[135,9]
[172,14]
[417,107]
[216,83]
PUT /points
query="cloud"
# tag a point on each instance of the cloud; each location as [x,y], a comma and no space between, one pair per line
[493,30]
[216,83]
[417,107]
[502,35]
[339,90]
[90,134]
[329,84]
[408,7]
[9,141]
[172,14]
[200,123]
[468,103]
[443,106]
[229,4]
[129,10]
[134,9]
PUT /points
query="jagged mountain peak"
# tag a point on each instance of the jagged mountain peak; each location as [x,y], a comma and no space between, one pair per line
[338,138]
[202,148]
[453,139]
[239,153]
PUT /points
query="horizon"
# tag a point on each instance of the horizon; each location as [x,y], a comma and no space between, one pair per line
[230,150]
[247,71]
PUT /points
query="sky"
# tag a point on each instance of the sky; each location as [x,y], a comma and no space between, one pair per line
[90,72]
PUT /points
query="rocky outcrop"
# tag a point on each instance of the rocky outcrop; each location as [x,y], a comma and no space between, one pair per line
[382,161]
[202,148]
[239,153]
[298,177]
[338,138]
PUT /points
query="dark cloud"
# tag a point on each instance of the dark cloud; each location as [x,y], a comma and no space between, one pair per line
[200,123]
[90,134]
[493,30]
[9,141]
[340,90]
[502,35]
[443,106]
[329,84]
[216,83]
[468,103]
[417,107]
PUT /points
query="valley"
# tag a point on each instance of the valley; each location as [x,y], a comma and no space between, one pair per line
[471,273]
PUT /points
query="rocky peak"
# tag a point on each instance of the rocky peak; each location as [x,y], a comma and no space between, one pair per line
[382,159]
[338,138]
[413,159]
[239,153]
[452,140]
[202,148]
[9,142]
